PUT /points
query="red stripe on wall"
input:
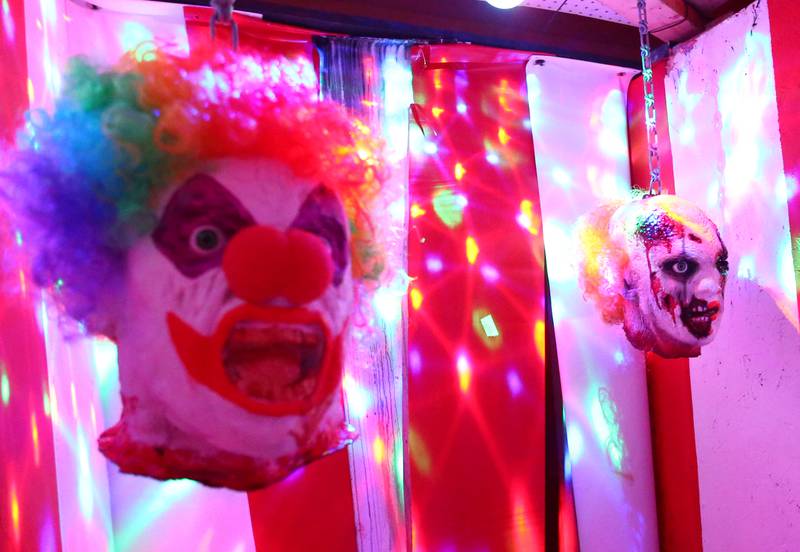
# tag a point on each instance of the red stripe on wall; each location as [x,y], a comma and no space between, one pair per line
[13,92]
[668,381]
[783,17]
[29,517]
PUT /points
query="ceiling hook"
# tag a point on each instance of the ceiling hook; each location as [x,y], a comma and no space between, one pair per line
[223,12]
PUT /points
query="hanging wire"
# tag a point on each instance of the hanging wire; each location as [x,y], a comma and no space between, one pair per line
[653,160]
[223,12]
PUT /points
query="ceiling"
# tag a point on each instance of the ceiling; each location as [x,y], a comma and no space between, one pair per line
[586,8]
[599,9]
[670,20]
[597,30]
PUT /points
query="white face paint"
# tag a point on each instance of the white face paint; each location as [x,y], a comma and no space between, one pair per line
[232,375]
[675,276]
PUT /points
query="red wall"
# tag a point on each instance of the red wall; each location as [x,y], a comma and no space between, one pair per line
[475,401]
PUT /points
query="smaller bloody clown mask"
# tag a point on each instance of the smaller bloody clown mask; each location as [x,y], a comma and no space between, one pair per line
[658,266]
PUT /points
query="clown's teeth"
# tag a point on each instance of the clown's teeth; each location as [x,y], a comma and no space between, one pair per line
[274,361]
[258,334]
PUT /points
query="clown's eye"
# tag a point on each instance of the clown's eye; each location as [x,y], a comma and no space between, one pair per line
[680,268]
[722,266]
[206,239]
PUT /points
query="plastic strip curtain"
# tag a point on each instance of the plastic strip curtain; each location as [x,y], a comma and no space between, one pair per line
[476,306]
[372,78]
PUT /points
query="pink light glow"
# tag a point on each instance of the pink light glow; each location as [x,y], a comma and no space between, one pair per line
[490,273]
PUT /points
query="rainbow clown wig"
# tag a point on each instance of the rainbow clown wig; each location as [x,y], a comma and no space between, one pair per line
[83,185]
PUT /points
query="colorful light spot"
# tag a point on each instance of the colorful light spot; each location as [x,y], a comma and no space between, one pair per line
[561,177]
[449,207]
[464,372]
[503,136]
[35,438]
[459,171]
[417,211]
[527,218]
[46,402]
[437,111]
[747,267]
[85,481]
[538,338]
[15,511]
[414,361]
[434,264]
[524,535]
[430,148]
[104,360]
[379,450]
[73,395]
[93,417]
[398,468]
[5,386]
[135,36]
[461,107]
[416,298]
[419,452]
[358,398]
[490,273]
[489,327]
[387,304]
[575,442]
[514,382]
[485,328]
[472,250]
[492,158]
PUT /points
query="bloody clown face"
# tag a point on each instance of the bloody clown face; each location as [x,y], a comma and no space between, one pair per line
[230,329]
[674,278]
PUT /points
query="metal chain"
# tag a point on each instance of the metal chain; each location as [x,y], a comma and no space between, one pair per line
[223,12]
[653,160]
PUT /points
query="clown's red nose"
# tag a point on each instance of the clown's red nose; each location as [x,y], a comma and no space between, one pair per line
[262,263]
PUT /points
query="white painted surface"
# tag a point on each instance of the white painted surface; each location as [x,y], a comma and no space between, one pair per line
[580,138]
[746,385]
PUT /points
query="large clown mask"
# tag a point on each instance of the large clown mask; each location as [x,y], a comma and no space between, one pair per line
[230,329]
[662,268]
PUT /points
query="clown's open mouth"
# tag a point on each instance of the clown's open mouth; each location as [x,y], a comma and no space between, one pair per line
[269,361]
[698,316]
[274,361]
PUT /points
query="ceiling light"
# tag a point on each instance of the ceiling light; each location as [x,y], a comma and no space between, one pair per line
[505,4]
